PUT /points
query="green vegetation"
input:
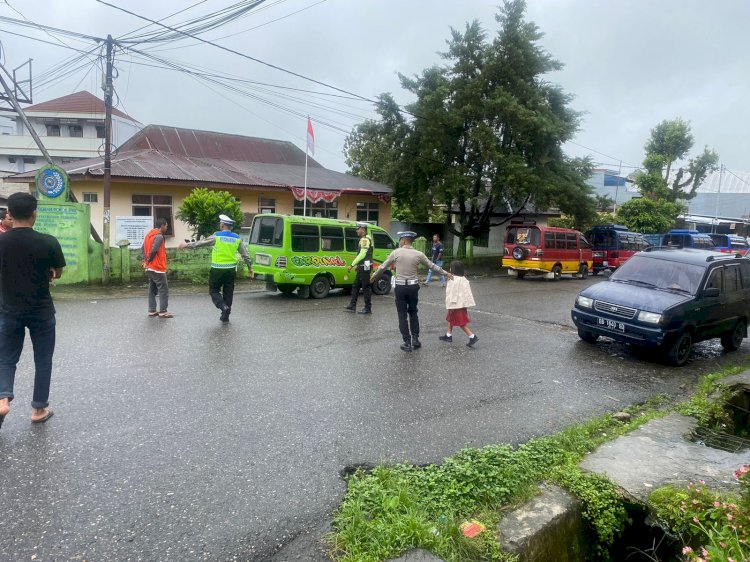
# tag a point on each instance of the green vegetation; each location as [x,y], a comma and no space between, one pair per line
[392,509]
[707,403]
[201,210]
[484,131]
[713,526]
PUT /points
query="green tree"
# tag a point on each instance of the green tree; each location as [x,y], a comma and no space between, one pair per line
[201,210]
[604,203]
[649,216]
[669,143]
[483,135]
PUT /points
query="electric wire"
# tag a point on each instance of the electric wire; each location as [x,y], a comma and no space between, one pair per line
[162,49]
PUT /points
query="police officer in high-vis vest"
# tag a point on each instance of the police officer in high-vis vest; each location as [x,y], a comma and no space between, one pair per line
[223,264]
[363,263]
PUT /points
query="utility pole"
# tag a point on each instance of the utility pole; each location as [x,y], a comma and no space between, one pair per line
[107,162]
[14,102]
[718,194]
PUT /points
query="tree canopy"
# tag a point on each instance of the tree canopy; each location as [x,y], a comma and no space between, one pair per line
[483,135]
[201,210]
[669,143]
[649,216]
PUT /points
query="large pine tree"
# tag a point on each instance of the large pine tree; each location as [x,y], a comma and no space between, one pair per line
[484,133]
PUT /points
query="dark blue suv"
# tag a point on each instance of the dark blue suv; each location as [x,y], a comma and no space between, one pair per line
[669,299]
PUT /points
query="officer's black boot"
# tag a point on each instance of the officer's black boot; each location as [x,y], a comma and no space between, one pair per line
[415,343]
[225,310]
[406,346]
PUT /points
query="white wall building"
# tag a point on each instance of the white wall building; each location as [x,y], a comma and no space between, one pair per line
[71,128]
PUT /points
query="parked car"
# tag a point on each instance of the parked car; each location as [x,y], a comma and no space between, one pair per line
[730,244]
[669,299]
[684,238]
[545,250]
[612,245]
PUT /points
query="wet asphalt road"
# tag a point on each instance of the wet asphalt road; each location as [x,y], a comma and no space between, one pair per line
[188,439]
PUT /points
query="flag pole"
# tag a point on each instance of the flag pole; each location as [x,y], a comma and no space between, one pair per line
[304,201]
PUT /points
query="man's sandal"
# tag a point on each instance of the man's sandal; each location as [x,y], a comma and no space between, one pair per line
[166,314]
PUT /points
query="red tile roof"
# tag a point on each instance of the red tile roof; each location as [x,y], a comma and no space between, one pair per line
[80,102]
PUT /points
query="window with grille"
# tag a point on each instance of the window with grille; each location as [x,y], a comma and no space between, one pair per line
[75,131]
[90,197]
[368,212]
[320,209]
[266,205]
[156,206]
[53,130]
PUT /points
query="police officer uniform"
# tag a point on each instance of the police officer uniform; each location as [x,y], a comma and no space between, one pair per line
[363,263]
[221,278]
[407,259]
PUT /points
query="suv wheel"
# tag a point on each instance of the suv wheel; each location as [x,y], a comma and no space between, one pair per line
[679,352]
[732,341]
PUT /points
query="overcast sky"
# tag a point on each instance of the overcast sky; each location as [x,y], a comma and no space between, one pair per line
[629,64]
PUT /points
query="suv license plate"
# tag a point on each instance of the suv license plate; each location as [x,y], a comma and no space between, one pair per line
[611,324]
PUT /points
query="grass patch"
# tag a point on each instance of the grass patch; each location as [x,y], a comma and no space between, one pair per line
[707,405]
[394,508]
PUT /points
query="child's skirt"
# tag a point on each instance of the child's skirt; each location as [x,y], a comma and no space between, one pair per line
[458,317]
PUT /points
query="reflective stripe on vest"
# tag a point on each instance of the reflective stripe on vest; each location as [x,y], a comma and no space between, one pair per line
[224,254]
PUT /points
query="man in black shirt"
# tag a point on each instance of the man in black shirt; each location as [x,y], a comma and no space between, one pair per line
[28,261]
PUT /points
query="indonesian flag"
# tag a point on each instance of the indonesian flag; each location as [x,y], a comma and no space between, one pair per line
[310,137]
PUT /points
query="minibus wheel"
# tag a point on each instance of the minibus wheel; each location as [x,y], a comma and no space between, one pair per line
[556,272]
[583,271]
[320,287]
[383,285]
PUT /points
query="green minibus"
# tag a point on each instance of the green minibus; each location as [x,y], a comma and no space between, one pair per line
[312,254]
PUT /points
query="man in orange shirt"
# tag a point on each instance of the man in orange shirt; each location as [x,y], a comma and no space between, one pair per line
[155,264]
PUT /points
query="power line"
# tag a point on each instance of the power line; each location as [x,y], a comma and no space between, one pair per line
[243,55]
[249,29]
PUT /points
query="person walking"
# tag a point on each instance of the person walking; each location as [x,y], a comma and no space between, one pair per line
[223,272]
[437,259]
[363,263]
[155,264]
[29,260]
[407,259]
[6,221]
[458,298]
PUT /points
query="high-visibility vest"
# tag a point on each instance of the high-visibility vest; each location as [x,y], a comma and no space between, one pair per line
[224,254]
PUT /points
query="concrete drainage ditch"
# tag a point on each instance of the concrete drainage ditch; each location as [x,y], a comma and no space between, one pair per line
[671,450]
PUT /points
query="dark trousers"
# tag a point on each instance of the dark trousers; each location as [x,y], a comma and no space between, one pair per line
[157,285]
[407,297]
[362,280]
[12,333]
[221,286]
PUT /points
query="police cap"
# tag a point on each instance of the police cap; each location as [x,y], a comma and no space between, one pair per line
[362,225]
[407,234]
[223,219]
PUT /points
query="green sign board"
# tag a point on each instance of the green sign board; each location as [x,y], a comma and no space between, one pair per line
[69,223]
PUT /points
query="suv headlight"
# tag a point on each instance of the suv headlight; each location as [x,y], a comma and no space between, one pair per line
[584,302]
[649,317]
